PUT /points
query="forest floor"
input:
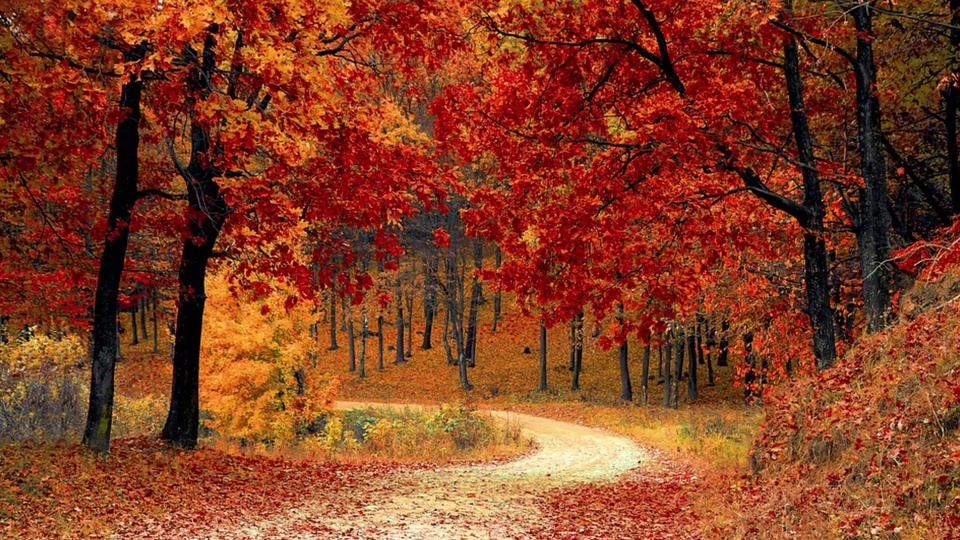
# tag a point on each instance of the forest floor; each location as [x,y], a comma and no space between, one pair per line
[580,483]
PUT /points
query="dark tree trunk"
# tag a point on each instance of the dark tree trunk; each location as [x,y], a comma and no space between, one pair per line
[300,377]
[873,245]
[723,346]
[429,300]
[333,315]
[573,343]
[678,368]
[692,390]
[498,260]
[476,291]
[951,99]
[380,342]
[156,336]
[351,345]
[816,268]
[700,356]
[409,326]
[645,376]
[667,361]
[208,211]
[133,323]
[626,388]
[398,358]
[364,332]
[143,317]
[96,434]
[577,351]
[542,387]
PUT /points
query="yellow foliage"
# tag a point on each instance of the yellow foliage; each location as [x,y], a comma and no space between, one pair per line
[253,351]
[43,352]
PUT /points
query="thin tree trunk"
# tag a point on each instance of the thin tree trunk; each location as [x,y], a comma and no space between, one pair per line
[692,390]
[542,387]
[645,376]
[626,388]
[351,344]
[498,260]
[380,342]
[333,315]
[363,343]
[476,291]
[96,434]
[156,336]
[409,352]
[723,345]
[678,368]
[133,323]
[143,317]
[577,351]
[667,360]
[398,358]
[429,300]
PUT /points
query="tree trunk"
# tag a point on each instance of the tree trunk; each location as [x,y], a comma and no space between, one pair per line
[156,336]
[723,346]
[476,290]
[498,260]
[380,342]
[951,99]
[667,361]
[577,351]
[208,211]
[626,388]
[429,300]
[399,359]
[333,315]
[133,323]
[96,434]
[873,245]
[692,390]
[542,387]
[678,368]
[816,269]
[351,344]
[645,376]
[409,352]
[363,343]
[143,317]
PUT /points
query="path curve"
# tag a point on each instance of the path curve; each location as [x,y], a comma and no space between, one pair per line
[484,501]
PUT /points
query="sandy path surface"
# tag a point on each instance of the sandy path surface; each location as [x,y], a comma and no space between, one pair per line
[487,501]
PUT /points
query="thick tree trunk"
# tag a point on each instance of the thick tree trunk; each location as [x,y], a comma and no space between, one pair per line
[951,100]
[723,345]
[645,376]
[542,387]
[96,434]
[873,244]
[208,211]
[476,291]
[816,269]
[498,260]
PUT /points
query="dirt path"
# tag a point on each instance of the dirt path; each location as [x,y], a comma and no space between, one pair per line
[495,501]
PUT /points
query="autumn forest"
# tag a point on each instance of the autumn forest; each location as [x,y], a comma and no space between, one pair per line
[479,269]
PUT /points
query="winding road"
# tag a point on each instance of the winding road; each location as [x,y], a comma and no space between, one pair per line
[485,501]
